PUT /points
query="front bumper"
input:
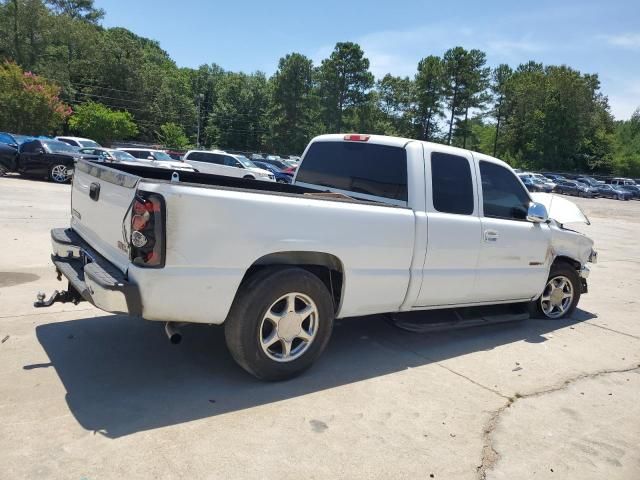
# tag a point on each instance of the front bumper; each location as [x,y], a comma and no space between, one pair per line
[92,276]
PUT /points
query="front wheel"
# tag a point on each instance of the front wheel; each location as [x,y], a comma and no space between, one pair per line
[561,293]
[248,177]
[280,322]
[58,173]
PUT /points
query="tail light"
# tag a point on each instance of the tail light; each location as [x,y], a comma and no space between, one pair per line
[147,230]
[356,137]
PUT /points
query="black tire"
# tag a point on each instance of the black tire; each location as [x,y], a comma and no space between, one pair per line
[248,177]
[54,173]
[281,181]
[3,171]
[243,327]
[559,269]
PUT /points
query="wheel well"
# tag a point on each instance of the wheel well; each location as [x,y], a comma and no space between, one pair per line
[328,268]
[562,259]
[249,177]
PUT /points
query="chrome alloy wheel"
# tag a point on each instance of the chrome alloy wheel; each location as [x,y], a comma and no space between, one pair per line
[289,327]
[59,174]
[557,297]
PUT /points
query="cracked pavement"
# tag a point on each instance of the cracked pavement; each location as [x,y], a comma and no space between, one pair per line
[90,395]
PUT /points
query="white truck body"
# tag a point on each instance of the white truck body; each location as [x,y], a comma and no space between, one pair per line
[392,255]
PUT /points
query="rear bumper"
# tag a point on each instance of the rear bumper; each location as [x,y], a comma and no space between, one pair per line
[92,276]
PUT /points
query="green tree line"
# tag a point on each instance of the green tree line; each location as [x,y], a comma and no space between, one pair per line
[532,115]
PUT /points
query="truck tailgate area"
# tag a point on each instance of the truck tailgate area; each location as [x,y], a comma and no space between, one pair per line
[101,199]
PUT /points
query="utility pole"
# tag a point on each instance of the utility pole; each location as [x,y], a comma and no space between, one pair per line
[199,98]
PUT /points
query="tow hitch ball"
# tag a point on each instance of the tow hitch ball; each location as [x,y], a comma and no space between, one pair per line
[63,297]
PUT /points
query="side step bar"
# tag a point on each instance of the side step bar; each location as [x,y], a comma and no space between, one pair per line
[449,319]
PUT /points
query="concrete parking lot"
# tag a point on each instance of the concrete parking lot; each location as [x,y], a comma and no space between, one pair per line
[87,395]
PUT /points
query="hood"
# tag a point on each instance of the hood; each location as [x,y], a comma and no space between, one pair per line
[560,209]
[74,155]
[260,171]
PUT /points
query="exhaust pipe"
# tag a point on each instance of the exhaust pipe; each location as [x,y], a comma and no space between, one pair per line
[173,333]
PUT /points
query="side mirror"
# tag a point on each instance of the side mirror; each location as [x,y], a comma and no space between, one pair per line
[537,213]
[150,157]
[39,151]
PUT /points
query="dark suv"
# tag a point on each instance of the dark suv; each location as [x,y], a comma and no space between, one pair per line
[49,158]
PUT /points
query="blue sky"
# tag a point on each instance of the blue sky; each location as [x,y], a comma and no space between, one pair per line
[592,36]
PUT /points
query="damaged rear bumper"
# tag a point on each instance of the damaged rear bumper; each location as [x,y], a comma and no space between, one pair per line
[91,277]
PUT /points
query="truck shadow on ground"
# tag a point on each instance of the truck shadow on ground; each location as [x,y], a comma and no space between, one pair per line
[122,376]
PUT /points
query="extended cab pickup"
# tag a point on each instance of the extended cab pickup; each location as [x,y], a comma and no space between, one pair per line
[371,224]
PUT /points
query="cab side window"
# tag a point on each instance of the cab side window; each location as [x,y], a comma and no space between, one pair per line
[451,184]
[502,194]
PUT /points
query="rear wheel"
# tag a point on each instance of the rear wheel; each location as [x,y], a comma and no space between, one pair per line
[561,293]
[58,173]
[280,323]
[3,171]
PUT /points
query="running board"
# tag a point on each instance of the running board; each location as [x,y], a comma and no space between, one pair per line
[450,319]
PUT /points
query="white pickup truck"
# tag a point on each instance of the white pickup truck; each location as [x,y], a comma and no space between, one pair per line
[372,224]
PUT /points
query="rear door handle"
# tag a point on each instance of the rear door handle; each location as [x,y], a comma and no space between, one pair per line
[491,236]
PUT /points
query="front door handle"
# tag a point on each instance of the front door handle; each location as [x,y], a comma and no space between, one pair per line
[491,236]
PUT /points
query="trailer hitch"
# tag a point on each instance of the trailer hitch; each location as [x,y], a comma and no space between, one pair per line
[65,296]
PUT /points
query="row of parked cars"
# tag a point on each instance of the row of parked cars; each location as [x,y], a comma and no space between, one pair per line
[580,186]
[54,158]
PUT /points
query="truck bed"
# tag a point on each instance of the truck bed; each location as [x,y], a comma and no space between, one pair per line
[161,175]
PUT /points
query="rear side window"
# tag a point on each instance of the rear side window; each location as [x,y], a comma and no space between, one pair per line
[370,169]
[451,184]
[197,157]
[502,194]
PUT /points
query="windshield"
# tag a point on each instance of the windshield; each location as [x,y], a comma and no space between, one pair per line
[122,156]
[162,157]
[53,146]
[22,138]
[246,163]
[88,143]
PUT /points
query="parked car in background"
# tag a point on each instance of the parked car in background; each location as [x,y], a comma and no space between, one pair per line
[256,156]
[78,141]
[218,162]
[176,155]
[613,191]
[547,181]
[157,158]
[592,182]
[571,187]
[627,184]
[276,163]
[554,177]
[543,183]
[281,177]
[47,158]
[8,152]
[531,184]
[109,155]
